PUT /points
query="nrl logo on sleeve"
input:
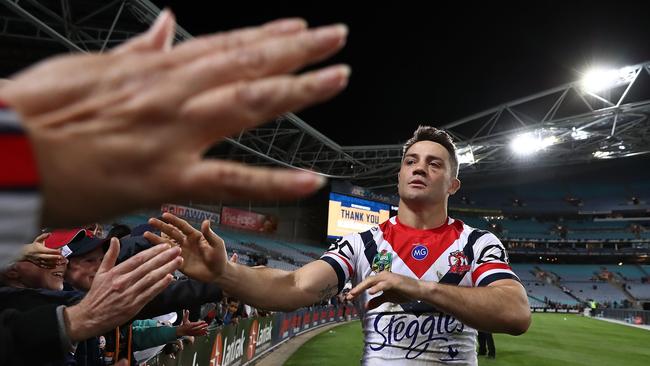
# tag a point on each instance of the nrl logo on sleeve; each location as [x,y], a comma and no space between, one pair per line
[382,261]
[458,262]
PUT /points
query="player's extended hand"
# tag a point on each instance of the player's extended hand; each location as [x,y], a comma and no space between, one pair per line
[128,129]
[396,289]
[204,252]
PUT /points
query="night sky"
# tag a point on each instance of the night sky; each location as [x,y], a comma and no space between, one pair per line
[414,65]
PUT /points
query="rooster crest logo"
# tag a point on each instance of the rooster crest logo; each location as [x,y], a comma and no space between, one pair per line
[458,262]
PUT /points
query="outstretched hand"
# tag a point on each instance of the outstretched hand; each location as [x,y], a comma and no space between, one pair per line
[128,129]
[204,252]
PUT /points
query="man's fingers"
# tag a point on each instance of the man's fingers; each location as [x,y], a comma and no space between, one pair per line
[381,286]
[156,223]
[155,239]
[159,37]
[110,257]
[186,316]
[179,223]
[140,258]
[49,258]
[244,105]
[159,268]
[171,230]
[358,289]
[213,239]
[43,250]
[229,181]
[157,265]
[163,37]
[41,238]
[275,56]
[223,42]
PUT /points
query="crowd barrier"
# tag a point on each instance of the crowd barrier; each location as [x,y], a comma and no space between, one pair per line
[638,317]
[251,338]
[554,310]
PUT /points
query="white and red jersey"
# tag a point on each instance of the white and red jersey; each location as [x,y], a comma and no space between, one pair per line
[416,333]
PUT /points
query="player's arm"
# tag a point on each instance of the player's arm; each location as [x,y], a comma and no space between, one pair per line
[205,259]
[500,307]
[274,289]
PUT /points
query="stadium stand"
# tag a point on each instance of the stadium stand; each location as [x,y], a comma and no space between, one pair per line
[602,292]
[545,293]
[641,291]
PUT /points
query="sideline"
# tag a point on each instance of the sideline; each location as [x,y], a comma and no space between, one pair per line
[283,351]
[646,327]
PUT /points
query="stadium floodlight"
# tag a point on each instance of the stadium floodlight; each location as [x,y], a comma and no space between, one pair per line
[531,142]
[579,135]
[603,154]
[598,79]
[466,155]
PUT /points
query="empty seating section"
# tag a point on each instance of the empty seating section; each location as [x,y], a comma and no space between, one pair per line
[573,272]
[542,291]
[628,272]
[307,249]
[599,291]
[234,244]
[576,230]
[527,229]
[254,242]
[534,303]
[641,291]
[281,265]
[525,272]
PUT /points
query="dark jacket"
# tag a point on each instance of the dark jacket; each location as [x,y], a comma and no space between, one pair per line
[29,329]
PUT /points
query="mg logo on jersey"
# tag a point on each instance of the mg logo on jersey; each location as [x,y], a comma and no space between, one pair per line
[458,262]
[419,252]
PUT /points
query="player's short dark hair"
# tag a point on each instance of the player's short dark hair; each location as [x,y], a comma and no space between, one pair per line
[428,133]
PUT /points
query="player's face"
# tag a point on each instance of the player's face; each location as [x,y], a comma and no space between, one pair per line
[425,175]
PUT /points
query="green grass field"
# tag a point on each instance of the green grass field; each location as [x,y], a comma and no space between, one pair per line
[551,340]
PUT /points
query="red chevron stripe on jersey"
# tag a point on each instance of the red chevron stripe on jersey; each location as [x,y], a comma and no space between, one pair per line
[404,240]
[347,263]
[486,267]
